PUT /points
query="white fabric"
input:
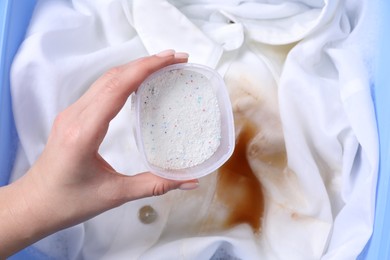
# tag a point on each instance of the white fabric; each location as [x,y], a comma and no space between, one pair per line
[297,71]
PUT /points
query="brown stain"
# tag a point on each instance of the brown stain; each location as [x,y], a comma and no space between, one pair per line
[276,159]
[238,188]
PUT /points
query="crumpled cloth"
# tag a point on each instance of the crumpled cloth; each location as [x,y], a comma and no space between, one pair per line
[299,75]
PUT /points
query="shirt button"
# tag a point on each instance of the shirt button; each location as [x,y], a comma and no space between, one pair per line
[147,214]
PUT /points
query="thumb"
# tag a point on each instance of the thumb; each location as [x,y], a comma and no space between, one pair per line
[146,185]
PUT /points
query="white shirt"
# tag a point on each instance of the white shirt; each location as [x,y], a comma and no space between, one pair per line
[299,83]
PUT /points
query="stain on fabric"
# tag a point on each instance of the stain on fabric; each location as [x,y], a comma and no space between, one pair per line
[238,188]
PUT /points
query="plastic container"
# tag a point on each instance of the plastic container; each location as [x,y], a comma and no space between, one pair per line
[14,19]
[379,245]
[187,79]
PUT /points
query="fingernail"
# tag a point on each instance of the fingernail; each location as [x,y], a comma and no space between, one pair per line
[189,186]
[181,55]
[166,53]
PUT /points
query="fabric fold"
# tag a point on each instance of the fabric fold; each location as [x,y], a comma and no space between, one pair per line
[173,25]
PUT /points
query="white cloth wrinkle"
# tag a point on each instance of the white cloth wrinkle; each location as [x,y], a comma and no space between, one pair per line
[344,216]
[291,68]
[157,38]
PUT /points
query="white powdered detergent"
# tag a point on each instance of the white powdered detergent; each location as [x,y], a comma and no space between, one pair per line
[179,119]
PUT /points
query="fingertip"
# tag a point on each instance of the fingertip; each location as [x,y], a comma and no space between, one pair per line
[190,185]
[177,57]
[166,53]
[181,55]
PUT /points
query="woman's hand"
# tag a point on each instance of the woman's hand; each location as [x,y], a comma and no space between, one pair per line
[71,182]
